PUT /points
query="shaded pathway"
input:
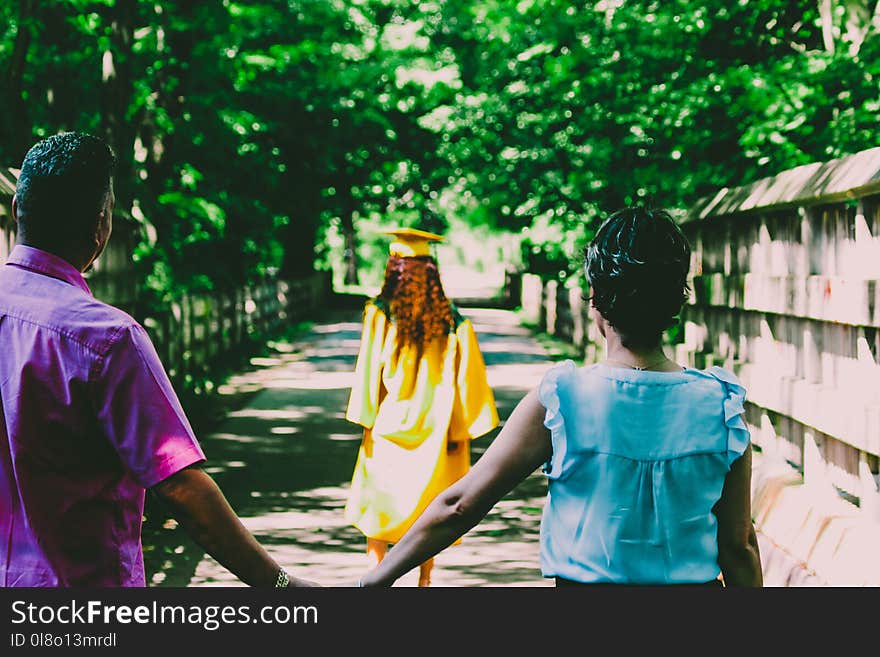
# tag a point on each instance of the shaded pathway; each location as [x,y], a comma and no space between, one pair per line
[285,460]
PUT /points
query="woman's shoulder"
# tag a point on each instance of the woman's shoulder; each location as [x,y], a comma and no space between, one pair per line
[566,380]
[557,376]
[561,370]
[457,318]
[721,378]
[377,303]
[701,380]
[723,375]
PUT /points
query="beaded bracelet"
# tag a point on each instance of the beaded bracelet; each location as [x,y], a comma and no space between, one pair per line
[283,580]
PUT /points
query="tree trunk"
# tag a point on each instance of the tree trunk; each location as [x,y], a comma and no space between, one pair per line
[16,131]
[858,18]
[349,255]
[117,90]
[858,22]
[172,84]
[301,232]
[158,172]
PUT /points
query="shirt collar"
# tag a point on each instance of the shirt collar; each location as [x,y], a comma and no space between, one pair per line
[49,264]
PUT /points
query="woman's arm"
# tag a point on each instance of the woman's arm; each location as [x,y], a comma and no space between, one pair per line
[521,446]
[738,553]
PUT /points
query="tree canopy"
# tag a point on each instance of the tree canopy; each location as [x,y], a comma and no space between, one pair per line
[249,131]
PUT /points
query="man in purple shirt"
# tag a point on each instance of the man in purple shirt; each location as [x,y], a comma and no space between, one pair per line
[88,418]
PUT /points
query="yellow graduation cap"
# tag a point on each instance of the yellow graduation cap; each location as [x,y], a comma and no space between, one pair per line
[411,242]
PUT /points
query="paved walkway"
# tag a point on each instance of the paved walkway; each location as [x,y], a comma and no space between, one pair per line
[285,460]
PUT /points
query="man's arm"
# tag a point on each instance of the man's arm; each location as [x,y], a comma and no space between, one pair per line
[142,418]
[196,501]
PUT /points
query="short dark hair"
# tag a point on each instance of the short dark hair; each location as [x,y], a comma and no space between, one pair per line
[637,267]
[63,185]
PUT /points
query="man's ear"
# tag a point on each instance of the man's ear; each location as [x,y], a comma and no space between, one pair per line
[100,227]
[103,227]
[15,209]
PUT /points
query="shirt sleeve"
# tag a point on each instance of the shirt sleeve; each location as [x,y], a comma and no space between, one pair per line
[738,435]
[363,403]
[474,413]
[140,413]
[548,395]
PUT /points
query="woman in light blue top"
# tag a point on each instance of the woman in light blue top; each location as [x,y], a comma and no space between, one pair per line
[648,462]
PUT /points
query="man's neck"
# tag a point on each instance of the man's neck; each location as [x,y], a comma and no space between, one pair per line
[79,263]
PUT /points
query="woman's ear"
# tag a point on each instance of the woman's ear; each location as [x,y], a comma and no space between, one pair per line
[596,316]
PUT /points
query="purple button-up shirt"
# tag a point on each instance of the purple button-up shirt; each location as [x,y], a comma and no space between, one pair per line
[88,421]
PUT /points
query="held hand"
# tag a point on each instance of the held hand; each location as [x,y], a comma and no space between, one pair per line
[303,583]
[364,583]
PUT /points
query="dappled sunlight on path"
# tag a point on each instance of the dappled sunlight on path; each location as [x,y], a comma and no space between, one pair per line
[285,461]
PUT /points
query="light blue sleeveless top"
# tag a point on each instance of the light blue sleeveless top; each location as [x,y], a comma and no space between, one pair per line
[639,460]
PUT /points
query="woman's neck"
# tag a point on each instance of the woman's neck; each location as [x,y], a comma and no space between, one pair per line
[640,358]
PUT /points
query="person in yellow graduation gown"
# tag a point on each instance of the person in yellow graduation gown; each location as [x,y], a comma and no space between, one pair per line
[420,393]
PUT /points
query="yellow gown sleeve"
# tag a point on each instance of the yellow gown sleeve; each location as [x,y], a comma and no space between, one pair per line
[475,413]
[363,403]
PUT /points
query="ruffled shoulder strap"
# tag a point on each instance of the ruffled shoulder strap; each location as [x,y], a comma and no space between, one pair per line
[548,395]
[738,436]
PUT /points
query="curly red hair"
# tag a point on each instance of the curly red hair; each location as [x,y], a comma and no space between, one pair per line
[416,300]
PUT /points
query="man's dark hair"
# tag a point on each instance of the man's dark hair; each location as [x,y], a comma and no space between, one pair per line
[63,186]
[637,266]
